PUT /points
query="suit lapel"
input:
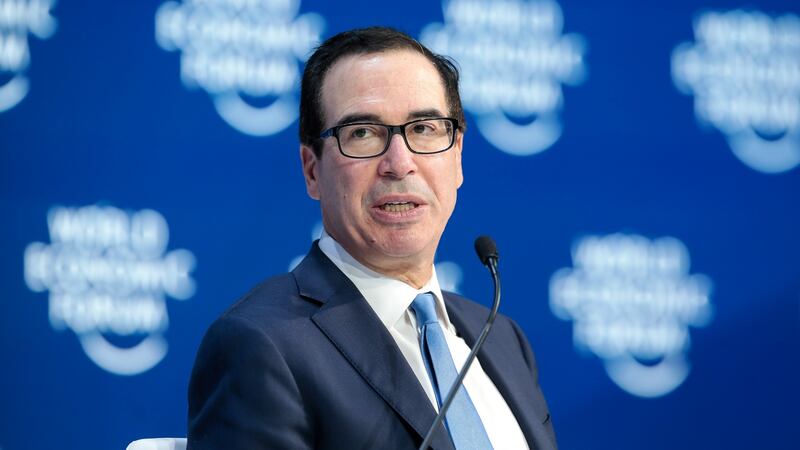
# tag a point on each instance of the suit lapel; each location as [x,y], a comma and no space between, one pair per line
[355,330]
[493,358]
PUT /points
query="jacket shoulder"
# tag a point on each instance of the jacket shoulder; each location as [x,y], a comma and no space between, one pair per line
[472,310]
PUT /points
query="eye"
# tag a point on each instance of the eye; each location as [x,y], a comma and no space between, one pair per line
[357,132]
[425,128]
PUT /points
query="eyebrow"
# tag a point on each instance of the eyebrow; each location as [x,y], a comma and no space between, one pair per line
[425,113]
[365,117]
[357,117]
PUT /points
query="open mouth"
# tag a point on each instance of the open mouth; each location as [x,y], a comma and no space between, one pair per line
[398,207]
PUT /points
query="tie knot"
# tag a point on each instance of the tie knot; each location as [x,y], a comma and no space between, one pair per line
[425,309]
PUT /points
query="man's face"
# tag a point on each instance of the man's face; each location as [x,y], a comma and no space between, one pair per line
[392,88]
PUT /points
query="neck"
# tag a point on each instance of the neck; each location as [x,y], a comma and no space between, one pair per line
[415,276]
[414,271]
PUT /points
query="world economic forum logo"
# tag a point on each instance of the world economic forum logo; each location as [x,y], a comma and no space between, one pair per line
[245,54]
[632,301]
[744,71]
[17,19]
[108,273]
[513,59]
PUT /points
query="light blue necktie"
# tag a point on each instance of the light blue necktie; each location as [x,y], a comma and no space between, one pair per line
[463,423]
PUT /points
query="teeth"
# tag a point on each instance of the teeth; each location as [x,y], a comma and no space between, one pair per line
[398,206]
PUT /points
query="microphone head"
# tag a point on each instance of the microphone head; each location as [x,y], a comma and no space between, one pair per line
[486,248]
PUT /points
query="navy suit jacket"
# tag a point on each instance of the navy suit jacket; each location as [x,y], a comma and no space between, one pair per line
[302,361]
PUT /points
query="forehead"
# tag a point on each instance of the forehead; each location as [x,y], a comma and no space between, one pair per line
[390,86]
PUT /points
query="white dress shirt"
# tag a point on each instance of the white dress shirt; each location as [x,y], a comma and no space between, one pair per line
[391,299]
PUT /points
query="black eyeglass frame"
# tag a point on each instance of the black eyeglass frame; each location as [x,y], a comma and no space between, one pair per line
[393,129]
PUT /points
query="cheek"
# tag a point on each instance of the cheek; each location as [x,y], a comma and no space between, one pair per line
[331,197]
[346,192]
[446,187]
[450,201]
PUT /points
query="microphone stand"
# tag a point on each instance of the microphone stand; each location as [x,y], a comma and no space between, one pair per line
[492,265]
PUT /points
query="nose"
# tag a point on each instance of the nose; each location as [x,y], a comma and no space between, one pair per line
[398,161]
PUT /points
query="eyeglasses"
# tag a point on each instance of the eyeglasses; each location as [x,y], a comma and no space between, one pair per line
[367,140]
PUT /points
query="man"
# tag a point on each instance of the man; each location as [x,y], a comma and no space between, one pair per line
[329,356]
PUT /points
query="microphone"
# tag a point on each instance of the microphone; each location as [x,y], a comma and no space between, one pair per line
[486,249]
[487,253]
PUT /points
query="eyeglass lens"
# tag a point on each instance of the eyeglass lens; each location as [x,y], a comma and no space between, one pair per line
[424,136]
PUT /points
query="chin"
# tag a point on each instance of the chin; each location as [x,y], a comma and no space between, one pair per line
[403,244]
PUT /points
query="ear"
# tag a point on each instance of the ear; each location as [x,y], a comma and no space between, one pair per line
[310,167]
[457,149]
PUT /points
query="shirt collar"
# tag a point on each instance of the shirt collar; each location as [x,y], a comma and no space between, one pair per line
[388,297]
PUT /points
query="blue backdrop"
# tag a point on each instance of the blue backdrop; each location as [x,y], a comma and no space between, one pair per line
[636,163]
